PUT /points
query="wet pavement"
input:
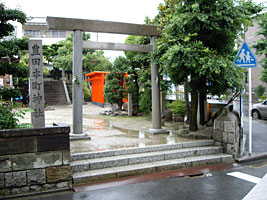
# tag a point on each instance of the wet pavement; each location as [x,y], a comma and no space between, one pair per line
[210,182]
[110,132]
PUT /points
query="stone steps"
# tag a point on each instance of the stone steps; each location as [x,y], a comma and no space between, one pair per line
[101,154]
[99,163]
[99,166]
[54,93]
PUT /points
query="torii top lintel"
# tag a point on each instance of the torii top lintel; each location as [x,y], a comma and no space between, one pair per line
[70,24]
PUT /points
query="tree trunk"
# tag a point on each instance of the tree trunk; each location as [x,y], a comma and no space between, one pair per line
[194,106]
[187,103]
[137,89]
[202,98]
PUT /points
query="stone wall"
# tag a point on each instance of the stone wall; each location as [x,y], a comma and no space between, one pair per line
[227,132]
[34,160]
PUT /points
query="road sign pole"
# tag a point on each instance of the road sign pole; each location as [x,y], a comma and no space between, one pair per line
[246,58]
[241,111]
[249,112]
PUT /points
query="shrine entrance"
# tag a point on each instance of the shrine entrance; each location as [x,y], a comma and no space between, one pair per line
[82,25]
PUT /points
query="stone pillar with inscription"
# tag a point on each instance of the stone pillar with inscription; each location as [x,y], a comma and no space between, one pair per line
[36,84]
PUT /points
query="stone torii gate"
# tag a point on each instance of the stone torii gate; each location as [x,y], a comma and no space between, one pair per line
[82,25]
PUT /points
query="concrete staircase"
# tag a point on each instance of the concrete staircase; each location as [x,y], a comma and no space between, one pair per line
[54,93]
[100,166]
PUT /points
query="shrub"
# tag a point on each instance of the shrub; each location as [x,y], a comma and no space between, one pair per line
[177,107]
[259,90]
[262,98]
[8,93]
[87,93]
[9,117]
[146,101]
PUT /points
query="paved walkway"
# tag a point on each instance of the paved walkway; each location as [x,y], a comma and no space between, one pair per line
[110,132]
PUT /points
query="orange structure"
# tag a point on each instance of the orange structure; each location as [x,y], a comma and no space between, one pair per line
[98,82]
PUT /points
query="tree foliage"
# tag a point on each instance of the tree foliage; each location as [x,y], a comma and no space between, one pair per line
[141,73]
[261,46]
[7,15]
[13,48]
[61,56]
[115,85]
[198,40]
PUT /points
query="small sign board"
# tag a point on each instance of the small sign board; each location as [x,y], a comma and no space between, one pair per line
[36,83]
[245,57]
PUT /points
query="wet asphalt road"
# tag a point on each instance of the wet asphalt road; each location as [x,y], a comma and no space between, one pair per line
[259,135]
[212,185]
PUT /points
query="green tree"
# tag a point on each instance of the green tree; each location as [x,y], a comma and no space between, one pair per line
[115,89]
[12,49]
[261,46]
[7,15]
[92,60]
[198,40]
[140,70]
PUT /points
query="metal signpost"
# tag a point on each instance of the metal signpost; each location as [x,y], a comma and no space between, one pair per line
[246,58]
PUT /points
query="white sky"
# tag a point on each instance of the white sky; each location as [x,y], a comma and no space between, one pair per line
[130,11]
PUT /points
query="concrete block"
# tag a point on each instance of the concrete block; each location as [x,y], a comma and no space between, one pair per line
[49,186]
[5,163]
[46,159]
[24,161]
[231,138]
[63,185]
[173,166]
[224,145]
[218,144]
[181,154]
[2,180]
[108,163]
[36,188]
[4,192]
[229,126]
[20,190]
[9,146]
[218,125]
[228,159]
[127,151]
[225,137]
[145,159]
[198,143]
[133,171]
[99,154]
[80,167]
[66,157]
[58,174]
[218,136]
[230,149]
[93,176]
[15,179]
[36,160]
[148,170]
[36,176]
[53,142]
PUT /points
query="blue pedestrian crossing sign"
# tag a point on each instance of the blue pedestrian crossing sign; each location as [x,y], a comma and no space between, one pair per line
[245,57]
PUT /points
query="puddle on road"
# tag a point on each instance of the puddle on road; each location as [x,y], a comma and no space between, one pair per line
[106,137]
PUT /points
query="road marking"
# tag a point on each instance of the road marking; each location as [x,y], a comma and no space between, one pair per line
[244,176]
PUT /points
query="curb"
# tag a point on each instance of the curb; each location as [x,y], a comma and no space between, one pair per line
[253,157]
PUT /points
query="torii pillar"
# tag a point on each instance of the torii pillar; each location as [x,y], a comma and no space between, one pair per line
[77,83]
[79,25]
[156,108]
